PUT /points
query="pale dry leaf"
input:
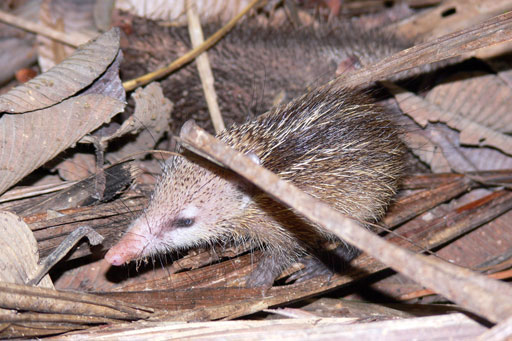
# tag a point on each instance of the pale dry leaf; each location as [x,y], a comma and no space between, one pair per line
[30,140]
[479,107]
[448,17]
[65,79]
[421,146]
[19,255]
[109,84]
[77,167]
[447,141]
[416,107]
[465,159]
[152,111]
[459,158]
[502,69]
[102,14]
[175,11]
[71,17]
[417,140]
[482,98]
[150,121]
[438,146]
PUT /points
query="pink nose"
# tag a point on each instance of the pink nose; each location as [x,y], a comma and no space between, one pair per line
[123,252]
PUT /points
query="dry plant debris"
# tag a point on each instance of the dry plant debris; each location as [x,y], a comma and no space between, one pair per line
[19,255]
[176,11]
[53,15]
[149,122]
[424,328]
[66,79]
[32,136]
[459,122]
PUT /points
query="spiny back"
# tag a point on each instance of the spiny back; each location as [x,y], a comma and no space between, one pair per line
[333,143]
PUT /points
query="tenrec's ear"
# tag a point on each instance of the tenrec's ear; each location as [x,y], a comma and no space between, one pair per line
[186,127]
[251,155]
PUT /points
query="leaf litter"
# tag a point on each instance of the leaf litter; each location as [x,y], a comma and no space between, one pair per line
[470,136]
[64,80]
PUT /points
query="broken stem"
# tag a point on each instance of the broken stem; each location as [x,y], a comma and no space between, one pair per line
[94,239]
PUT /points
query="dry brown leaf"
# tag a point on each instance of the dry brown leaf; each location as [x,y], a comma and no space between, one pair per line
[447,141]
[482,98]
[77,167]
[152,112]
[461,159]
[108,84]
[150,121]
[479,107]
[19,255]
[31,139]
[465,159]
[65,79]
[66,16]
[450,16]
[419,141]
[420,144]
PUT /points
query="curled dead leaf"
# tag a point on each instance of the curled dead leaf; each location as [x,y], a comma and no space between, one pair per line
[479,107]
[421,145]
[472,132]
[65,79]
[31,139]
[152,112]
[150,121]
[483,98]
[19,255]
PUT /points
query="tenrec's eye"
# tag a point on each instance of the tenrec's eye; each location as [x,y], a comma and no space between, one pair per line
[184,222]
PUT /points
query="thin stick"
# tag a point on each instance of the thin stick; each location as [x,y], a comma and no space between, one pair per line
[187,57]
[32,191]
[425,292]
[203,66]
[74,39]
[49,262]
[465,42]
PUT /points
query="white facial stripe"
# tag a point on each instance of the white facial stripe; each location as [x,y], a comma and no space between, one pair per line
[189,212]
[187,237]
